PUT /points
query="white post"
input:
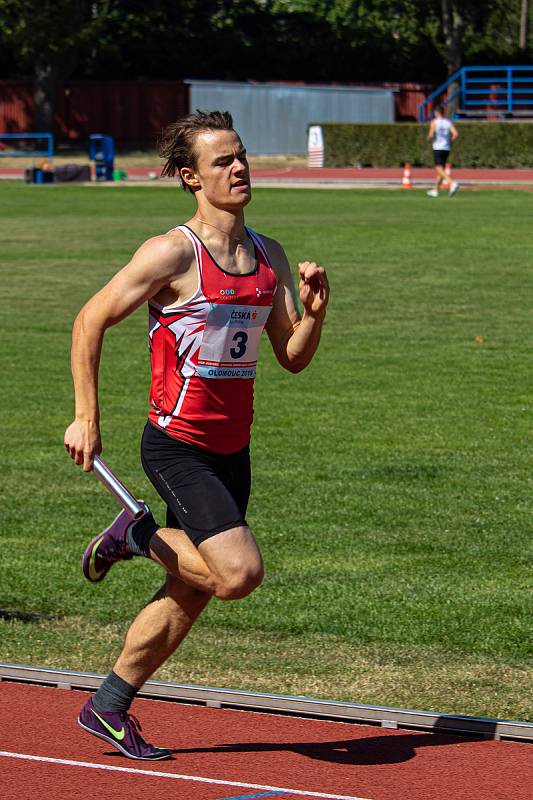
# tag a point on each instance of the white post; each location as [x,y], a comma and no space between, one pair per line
[315,147]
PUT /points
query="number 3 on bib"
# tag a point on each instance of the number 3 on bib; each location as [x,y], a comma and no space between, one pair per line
[240,338]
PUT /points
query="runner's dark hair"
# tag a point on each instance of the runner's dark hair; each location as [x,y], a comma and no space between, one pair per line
[177,142]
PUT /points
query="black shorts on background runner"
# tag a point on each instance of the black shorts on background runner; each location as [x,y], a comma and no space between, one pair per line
[441,157]
[206,493]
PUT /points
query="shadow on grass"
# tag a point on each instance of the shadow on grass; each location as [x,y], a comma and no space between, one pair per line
[389,749]
[10,615]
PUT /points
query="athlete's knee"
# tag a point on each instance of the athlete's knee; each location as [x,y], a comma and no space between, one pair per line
[240,582]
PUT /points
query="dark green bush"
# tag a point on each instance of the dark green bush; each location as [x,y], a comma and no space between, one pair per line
[480,144]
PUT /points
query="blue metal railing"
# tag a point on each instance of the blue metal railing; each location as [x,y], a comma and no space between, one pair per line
[486,92]
[47,151]
[425,108]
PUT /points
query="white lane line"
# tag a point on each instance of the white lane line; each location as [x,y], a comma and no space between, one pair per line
[198,779]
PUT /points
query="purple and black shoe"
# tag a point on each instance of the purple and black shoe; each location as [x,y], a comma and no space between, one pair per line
[121,730]
[108,547]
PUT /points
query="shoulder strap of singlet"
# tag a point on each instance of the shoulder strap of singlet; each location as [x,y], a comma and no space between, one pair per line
[196,243]
[256,239]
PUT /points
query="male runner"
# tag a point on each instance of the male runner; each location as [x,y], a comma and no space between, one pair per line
[442,134]
[211,285]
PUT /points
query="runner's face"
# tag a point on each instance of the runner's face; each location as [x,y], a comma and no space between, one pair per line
[222,169]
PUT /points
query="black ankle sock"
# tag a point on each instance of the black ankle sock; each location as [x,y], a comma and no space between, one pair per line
[114,694]
[139,533]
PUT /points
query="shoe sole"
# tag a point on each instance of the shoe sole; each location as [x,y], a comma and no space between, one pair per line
[86,560]
[87,554]
[124,752]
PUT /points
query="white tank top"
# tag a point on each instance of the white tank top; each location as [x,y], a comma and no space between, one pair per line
[442,140]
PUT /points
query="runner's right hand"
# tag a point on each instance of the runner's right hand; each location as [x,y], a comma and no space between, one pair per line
[82,442]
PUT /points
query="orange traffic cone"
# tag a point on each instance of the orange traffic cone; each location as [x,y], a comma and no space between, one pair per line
[406,180]
[447,182]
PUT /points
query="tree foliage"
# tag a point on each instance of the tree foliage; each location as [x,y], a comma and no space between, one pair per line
[308,40]
[291,40]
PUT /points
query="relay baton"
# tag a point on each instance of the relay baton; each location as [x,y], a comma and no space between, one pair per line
[117,488]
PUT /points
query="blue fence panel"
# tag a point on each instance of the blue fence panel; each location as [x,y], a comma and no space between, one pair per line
[47,151]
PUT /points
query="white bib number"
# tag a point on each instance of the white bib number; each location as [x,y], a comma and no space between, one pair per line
[230,342]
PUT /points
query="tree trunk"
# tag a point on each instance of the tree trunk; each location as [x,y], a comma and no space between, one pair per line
[45,83]
[524,14]
[453,26]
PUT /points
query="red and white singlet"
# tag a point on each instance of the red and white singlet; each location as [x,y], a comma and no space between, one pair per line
[204,352]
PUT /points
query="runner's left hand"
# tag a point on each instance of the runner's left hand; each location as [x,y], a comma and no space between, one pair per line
[314,288]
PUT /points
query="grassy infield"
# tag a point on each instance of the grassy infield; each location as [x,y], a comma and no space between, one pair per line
[392,492]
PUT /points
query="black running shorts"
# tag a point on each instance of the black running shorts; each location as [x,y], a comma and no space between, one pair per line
[441,157]
[206,493]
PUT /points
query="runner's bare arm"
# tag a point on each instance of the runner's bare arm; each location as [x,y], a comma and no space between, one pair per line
[295,338]
[152,267]
[431,133]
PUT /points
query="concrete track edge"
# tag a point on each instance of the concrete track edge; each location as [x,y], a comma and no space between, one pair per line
[281,704]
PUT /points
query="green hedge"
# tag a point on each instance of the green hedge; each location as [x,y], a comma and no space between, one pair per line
[480,144]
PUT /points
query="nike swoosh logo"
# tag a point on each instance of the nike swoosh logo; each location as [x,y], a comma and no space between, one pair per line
[93,572]
[117,734]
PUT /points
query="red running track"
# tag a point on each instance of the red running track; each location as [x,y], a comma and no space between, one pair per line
[369,174]
[225,755]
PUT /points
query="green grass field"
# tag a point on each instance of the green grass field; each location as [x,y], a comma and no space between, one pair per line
[392,478]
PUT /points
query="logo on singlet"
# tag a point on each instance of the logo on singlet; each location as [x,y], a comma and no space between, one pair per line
[226,292]
[243,314]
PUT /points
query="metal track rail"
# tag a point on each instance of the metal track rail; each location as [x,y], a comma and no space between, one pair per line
[281,704]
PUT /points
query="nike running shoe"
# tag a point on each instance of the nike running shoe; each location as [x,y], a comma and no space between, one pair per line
[120,730]
[108,547]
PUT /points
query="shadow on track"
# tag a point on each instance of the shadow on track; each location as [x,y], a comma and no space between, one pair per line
[374,750]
